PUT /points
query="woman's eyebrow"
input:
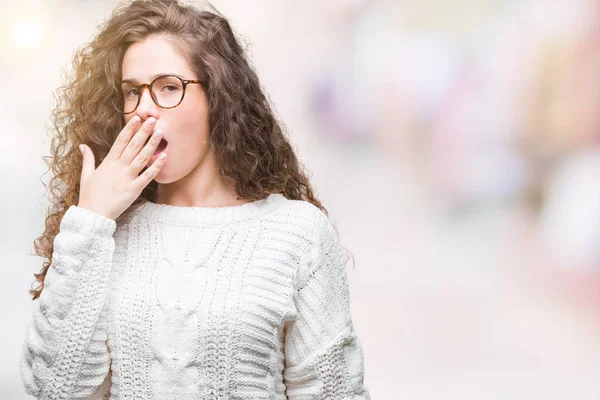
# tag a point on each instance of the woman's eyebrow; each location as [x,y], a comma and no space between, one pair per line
[152,77]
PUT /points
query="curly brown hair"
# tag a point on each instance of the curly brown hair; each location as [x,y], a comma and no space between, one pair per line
[248,140]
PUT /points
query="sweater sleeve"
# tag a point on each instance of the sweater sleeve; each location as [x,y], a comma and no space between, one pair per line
[65,354]
[323,355]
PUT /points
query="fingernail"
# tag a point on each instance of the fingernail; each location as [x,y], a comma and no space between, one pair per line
[81,148]
[157,132]
[135,119]
[151,121]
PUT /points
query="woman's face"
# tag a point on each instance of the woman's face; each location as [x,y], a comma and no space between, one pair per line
[185,127]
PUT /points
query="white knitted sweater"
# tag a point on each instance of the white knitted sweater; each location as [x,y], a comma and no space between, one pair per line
[170,302]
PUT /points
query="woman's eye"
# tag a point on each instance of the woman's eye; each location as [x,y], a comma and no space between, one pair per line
[170,88]
[132,92]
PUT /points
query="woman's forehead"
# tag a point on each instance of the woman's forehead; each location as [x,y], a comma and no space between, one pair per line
[154,56]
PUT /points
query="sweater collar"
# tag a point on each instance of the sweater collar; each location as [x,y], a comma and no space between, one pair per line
[209,215]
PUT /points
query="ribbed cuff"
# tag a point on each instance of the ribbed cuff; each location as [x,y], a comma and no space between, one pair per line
[85,221]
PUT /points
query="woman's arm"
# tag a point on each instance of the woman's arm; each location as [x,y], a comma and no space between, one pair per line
[323,355]
[65,355]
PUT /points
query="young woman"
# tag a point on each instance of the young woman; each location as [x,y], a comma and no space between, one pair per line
[212,273]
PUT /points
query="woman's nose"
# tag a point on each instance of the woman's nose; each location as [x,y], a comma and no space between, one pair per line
[147,107]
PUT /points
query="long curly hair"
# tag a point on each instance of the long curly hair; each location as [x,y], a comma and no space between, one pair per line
[249,142]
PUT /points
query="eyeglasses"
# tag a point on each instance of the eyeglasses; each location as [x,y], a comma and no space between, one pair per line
[167,91]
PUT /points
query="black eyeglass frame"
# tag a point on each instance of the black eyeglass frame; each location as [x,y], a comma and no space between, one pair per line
[141,86]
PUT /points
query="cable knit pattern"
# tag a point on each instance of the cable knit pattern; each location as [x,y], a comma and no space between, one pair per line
[244,302]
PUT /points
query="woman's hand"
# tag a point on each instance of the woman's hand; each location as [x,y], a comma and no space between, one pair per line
[111,188]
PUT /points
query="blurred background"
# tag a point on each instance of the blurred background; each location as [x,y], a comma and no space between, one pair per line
[456,145]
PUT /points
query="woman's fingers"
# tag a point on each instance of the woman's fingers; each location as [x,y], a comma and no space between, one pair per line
[137,142]
[112,187]
[144,156]
[123,139]
[150,173]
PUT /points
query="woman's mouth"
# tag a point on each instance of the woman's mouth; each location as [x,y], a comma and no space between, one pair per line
[161,146]
[159,149]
